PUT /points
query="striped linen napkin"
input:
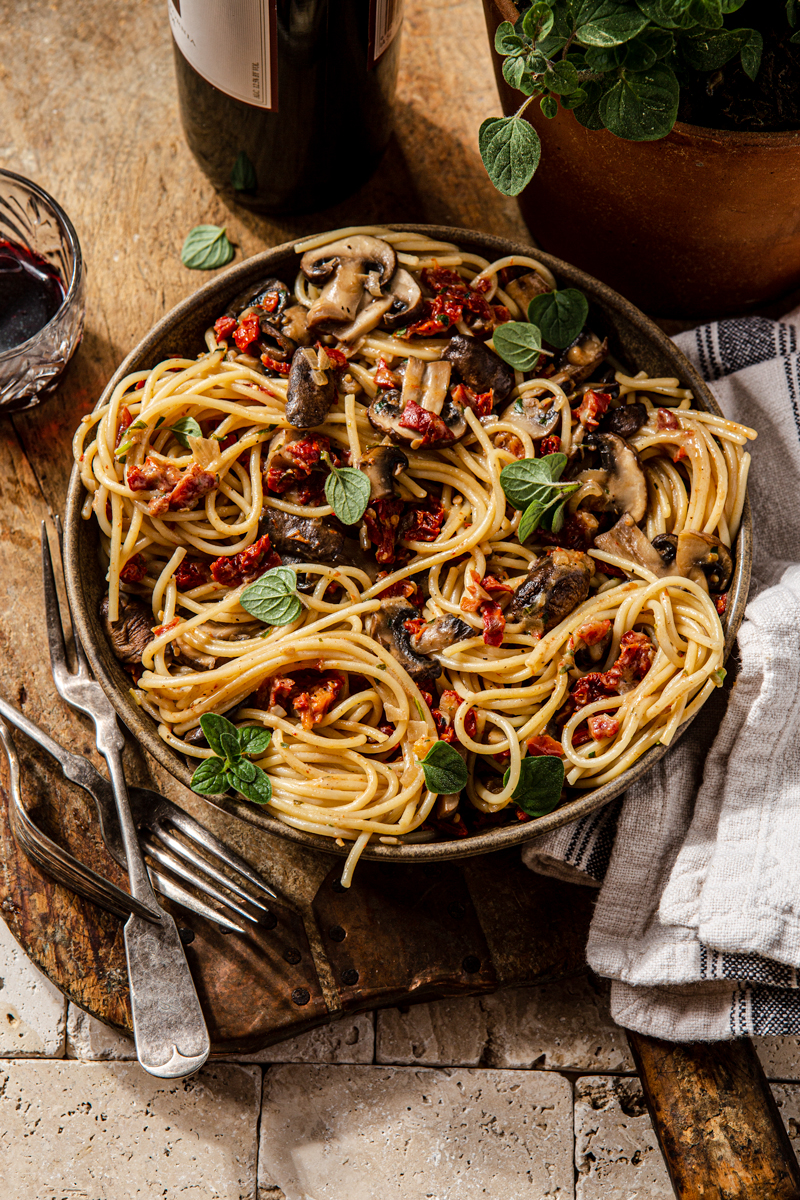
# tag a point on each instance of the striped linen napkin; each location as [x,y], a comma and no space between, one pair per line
[697,922]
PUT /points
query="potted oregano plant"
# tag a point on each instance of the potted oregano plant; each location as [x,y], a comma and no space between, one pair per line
[655,143]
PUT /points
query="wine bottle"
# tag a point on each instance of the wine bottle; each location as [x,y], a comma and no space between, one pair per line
[286,104]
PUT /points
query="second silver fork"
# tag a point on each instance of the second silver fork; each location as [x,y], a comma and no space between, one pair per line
[168,1025]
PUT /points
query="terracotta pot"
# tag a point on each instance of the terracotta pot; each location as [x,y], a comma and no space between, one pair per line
[702,222]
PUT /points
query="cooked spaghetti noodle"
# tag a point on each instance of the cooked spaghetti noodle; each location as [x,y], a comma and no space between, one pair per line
[197,479]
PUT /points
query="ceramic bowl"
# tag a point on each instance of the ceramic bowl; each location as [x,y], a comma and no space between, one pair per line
[633,338]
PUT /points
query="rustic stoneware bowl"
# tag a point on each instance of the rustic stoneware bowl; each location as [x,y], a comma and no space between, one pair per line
[633,338]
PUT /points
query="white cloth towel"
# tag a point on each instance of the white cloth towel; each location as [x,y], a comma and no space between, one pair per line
[697,922]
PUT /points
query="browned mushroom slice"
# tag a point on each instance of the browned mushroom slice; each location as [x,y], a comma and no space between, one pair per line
[626,540]
[479,367]
[344,270]
[625,419]
[294,323]
[382,465]
[406,300]
[387,626]
[311,390]
[440,634]
[538,417]
[553,588]
[526,288]
[703,558]
[620,476]
[583,357]
[423,414]
[309,539]
[132,632]
[270,296]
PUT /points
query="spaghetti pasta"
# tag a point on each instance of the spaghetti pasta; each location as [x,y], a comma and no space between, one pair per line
[428,618]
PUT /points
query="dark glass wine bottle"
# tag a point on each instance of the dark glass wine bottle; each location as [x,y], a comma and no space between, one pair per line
[286,104]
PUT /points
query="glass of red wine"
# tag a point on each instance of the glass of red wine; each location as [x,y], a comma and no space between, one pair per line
[41,292]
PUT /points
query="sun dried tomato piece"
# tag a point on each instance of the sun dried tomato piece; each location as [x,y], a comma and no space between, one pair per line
[721,603]
[422,524]
[384,377]
[247,565]
[125,419]
[481,403]
[666,420]
[544,744]
[591,408]
[603,725]
[494,623]
[192,573]
[428,425]
[134,570]
[247,332]
[272,364]
[549,445]
[381,520]
[224,327]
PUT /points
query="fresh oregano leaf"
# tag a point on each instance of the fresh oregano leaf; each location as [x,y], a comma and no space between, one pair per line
[210,778]
[242,768]
[347,491]
[206,248]
[506,40]
[562,78]
[510,149]
[185,428]
[214,727]
[538,789]
[538,20]
[243,175]
[529,521]
[254,740]
[522,481]
[614,29]
[445,770]
[752,51]
[642,106]
[258,789]
[230,745]
[273,598]
[549,107]
[518,344]
[559,315]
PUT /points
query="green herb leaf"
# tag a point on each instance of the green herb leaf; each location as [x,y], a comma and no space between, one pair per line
[230,745]
[587,113]
[549,107]
[514,70]
[445,770]
[518,344]
[184,429]
[214,728]
[562,78]
[139,425]
[243,175]
[712,48]
[529,521]
[538,20]
[619,26]
[210,779]
[254,740]
[347,491]
[642,106]
[510,149]
[506,40]
[258,789]
[242,768]
[560,315]
[538,789]
[522,481]
[752,50]
[206,248]
[273,598]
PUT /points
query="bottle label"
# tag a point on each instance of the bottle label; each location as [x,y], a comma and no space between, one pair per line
[385,19]
[233,44]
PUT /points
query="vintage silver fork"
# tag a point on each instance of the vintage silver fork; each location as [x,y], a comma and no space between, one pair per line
[168,1025]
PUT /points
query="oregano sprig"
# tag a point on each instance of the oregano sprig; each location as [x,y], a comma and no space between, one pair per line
[273,598]
[444,769]
[347,491]
[231,765]
[541,780]
[532,486]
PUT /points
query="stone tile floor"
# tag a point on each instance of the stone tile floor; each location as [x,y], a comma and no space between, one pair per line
[525,1094]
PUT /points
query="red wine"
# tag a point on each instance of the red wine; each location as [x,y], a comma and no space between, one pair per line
[31,293]
[286,104]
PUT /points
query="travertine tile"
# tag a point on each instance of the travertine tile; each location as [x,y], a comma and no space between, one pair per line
[351,1040]
[558,1026]
[780,1056]
[33,1013]
[108,1131]
[787,1097]
[389,1133]
[616,1151]
[91,1040]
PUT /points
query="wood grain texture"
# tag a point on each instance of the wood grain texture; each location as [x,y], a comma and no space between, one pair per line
[717,1121]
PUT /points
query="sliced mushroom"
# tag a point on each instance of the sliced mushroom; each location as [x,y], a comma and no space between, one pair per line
[620,477]
[667,546]
[626,540]
[584,356]
[132,632]
[479,367]
[262,296]
[387,626]
[526,288]
[539,418]
[311,391]
[553,588]
[703,558]
[382,465]
[440,634]
[406,300]
[294,323]
[386,413]
[309,539]
[344,268]
[625,420]
[274,342]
